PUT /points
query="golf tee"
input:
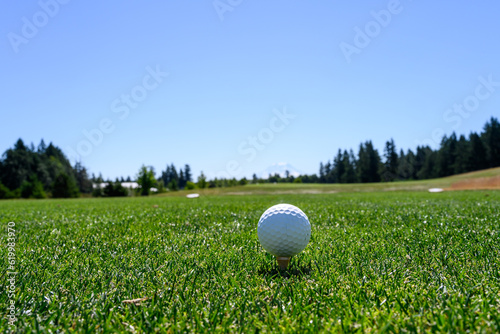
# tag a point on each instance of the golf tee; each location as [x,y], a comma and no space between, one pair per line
[283,262]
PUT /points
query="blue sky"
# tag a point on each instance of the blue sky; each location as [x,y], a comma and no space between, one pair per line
[231,87]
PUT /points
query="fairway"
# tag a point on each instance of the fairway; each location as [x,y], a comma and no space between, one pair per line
[375,262]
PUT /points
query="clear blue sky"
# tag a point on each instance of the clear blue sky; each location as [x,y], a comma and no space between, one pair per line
[74,67]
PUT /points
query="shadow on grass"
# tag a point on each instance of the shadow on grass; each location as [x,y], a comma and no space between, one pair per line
[294,269]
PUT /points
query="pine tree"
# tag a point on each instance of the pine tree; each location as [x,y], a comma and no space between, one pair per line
[146,179]
[338,167]
[390,170]
[187,173]
[411,162]
[354,165]
[114,189]
[461,154]
[64,186]
[368,163]
[166,175]
[17,165]
[42,147]
[477,153]
[182,179]
[321,173]
[32,188]
[491,138]
[202,181]
[420,158]
[328,172]
[348,175]
[173,173]
[447,155]
[363,164]
[82,179]
[403,168]
[429,169]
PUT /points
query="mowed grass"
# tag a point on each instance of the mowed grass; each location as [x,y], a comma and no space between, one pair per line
[391,261]
[488,180]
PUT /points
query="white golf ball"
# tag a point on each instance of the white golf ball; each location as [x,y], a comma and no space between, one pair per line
[284,230]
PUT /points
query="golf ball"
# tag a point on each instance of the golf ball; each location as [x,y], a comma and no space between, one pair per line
[284,230]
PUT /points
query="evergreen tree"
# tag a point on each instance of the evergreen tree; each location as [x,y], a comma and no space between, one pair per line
[173,173]
[363,164]
[491,138]
[420,158]
[170,174]
[447,155]
[321,173]
[17,165]
[82,179]
[146,179]
[108,190]
[114,189]
[390,170]
[42,147]
[430,169]
[339,168]
[97,191]
[328,172]
[182,179]
[406,166]
[368,163]
[64,187]
[165,175]
[348,175]
[477,153]
[354,165]
[5,193]
[173,185]
[411,160]
[202,181]
[187,173]
[32,188]
[402,172]
[461,154]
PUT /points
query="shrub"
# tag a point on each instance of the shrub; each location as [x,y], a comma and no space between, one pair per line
[115,190]
[190,185]
[64,187]
[32,188]
[4,192]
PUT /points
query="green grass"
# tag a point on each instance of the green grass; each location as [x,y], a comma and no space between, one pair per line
[387,261]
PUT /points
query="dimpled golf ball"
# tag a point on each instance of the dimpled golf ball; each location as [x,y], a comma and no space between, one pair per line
[284,230]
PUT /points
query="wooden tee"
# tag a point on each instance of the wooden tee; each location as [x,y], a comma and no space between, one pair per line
[283,262]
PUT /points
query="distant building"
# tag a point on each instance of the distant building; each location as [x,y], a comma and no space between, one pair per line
[128,185]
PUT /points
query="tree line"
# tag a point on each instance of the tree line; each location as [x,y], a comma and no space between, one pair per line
[455,155]
[44,171]
[29,172]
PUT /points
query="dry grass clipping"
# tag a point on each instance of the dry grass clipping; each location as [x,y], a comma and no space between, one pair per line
[136,302]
